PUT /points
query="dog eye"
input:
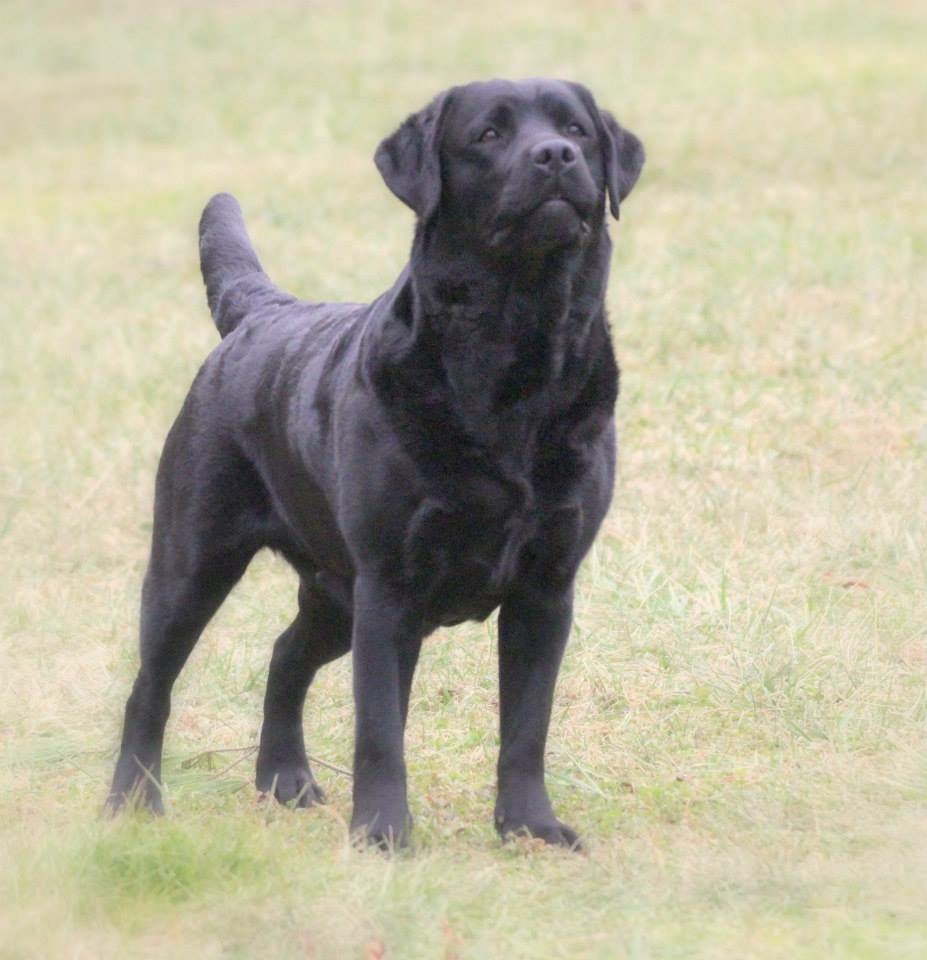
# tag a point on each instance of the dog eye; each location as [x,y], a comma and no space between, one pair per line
[488,135]
[576,129]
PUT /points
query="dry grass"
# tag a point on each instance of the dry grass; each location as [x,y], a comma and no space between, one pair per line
[740,725]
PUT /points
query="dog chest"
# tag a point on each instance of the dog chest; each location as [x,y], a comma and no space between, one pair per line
[464,556]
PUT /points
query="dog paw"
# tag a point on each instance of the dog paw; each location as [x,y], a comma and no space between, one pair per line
[291,785]
[382,832]
[552,832]
[134,794]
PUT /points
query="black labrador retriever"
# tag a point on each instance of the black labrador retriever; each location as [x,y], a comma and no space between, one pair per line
[421,460]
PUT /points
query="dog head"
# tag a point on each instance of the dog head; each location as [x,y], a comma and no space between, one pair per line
[524,166]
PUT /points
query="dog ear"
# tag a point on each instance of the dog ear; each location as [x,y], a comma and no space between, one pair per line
[624,160]
[623,153]
[409,160]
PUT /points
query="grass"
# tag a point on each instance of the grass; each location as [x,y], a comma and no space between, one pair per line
[739,730]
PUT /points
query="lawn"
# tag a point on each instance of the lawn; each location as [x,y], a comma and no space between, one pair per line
[740,730]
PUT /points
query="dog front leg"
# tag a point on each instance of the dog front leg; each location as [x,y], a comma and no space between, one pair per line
[386,642]
[533,631]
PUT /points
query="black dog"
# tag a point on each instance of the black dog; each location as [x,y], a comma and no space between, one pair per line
[422,460]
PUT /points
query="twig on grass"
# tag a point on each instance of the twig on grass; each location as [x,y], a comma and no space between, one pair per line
[248,751]
[329,766]
[192,761]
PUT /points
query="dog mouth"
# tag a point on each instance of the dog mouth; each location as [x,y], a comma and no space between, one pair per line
[552,215]
[564,203]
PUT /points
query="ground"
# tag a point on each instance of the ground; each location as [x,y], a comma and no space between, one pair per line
[740,730]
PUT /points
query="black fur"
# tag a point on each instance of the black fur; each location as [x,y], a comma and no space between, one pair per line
[421,460]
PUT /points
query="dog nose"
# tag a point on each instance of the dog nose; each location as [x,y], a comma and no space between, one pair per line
[554,155]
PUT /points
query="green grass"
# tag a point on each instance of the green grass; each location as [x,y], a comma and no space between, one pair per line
[740,730]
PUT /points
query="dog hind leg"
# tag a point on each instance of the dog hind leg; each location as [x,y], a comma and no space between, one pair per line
[204,536]
[320,633]
[176,606]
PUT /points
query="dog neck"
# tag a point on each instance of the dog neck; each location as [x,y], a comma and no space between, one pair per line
[492,348]
[454,278]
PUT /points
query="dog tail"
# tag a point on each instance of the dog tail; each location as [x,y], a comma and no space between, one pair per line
[231,270]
